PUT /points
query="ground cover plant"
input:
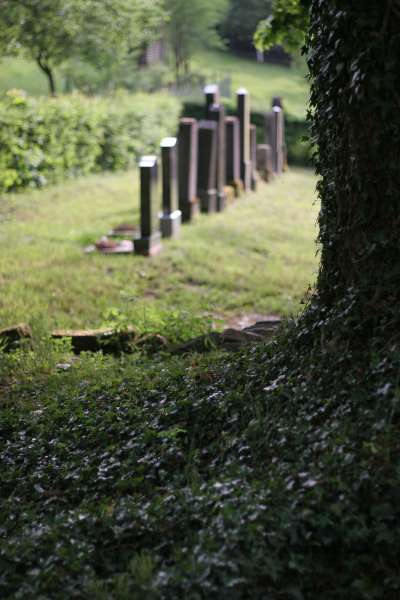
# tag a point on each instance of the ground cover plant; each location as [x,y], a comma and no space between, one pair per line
[263,257]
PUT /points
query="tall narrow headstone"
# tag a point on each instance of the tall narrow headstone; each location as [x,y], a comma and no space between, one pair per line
[253,157]
[243,108]
[232,139]
[212,96]
[274,137]
[278,101]
[217,114]
[171,216]
[187,168]
[149,242]
[264,161]
[207,166]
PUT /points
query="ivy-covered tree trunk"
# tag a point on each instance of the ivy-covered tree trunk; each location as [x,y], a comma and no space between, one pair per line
[354,59]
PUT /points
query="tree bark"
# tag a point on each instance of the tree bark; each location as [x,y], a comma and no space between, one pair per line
[355,67]
[46,69]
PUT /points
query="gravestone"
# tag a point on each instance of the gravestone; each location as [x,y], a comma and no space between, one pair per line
[253,157]
[212,96]
[243,109]
[171,216]
[217,114]
[232,160]
[187,168]
[149,242]
[264,161]
[277,101]
[274,137]
[207,166]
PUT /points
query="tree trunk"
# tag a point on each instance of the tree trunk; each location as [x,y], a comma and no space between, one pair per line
[354,61]
[46,69]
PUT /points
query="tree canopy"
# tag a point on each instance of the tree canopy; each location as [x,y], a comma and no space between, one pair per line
[51,31]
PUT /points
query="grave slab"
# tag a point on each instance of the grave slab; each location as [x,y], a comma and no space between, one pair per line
[171,216]
[149,242]
[187,168]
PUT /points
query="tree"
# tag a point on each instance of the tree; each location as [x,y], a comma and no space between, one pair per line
[51,31]
[353,51]
[241,21]
[190,25]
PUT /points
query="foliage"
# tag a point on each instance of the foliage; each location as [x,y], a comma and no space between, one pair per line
[287,25]
[45,140]
[191,25]
[50,31]
[269,474]
[241,21]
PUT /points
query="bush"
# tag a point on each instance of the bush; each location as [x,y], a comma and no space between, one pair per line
[46,140]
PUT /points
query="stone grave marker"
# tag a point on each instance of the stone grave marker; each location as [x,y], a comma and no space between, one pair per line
[277,101]
[187,168]
[171,216]
[207,166]
[232,158]
[212,96]
[264,161]
[274,137]
[243,109]
[253,157]
[149,242]
[217,114]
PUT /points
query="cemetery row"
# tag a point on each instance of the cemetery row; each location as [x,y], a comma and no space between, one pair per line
[209,164]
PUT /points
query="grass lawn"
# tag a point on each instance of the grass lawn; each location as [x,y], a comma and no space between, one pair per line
[256,257]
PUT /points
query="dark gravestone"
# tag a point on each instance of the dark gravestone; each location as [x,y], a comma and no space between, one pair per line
[264,161]
[243,109]
[253,157]
[232,160]
[171,216]
[187,168]
[274,137]
[217,114]
[149,242]
[277,101]
[212,96]
[207,166]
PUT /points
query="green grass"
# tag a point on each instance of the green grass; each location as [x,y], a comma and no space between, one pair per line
[258,256]
[263,81]
[22,74]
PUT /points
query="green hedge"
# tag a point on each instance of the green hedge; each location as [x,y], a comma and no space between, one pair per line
[299,152]
[46,140]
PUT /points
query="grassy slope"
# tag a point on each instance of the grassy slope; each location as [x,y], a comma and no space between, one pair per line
[262,80]
[22,74]
[258,256]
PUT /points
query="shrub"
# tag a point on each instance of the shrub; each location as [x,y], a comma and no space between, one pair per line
[46,140]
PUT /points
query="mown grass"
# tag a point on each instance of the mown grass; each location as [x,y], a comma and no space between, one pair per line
[257,257]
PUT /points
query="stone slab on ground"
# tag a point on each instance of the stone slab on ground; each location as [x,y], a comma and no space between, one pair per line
[12,337]
[107,340]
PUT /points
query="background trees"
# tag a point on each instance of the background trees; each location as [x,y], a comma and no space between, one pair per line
[52,31]
[191,24]
[241,21]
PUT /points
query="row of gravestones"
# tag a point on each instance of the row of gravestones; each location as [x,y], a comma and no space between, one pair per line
[211,162]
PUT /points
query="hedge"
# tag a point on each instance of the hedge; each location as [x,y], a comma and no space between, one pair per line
[45,140]
[299,152]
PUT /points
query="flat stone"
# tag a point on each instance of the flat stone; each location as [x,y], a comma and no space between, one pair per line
[12,337]
[106,340]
